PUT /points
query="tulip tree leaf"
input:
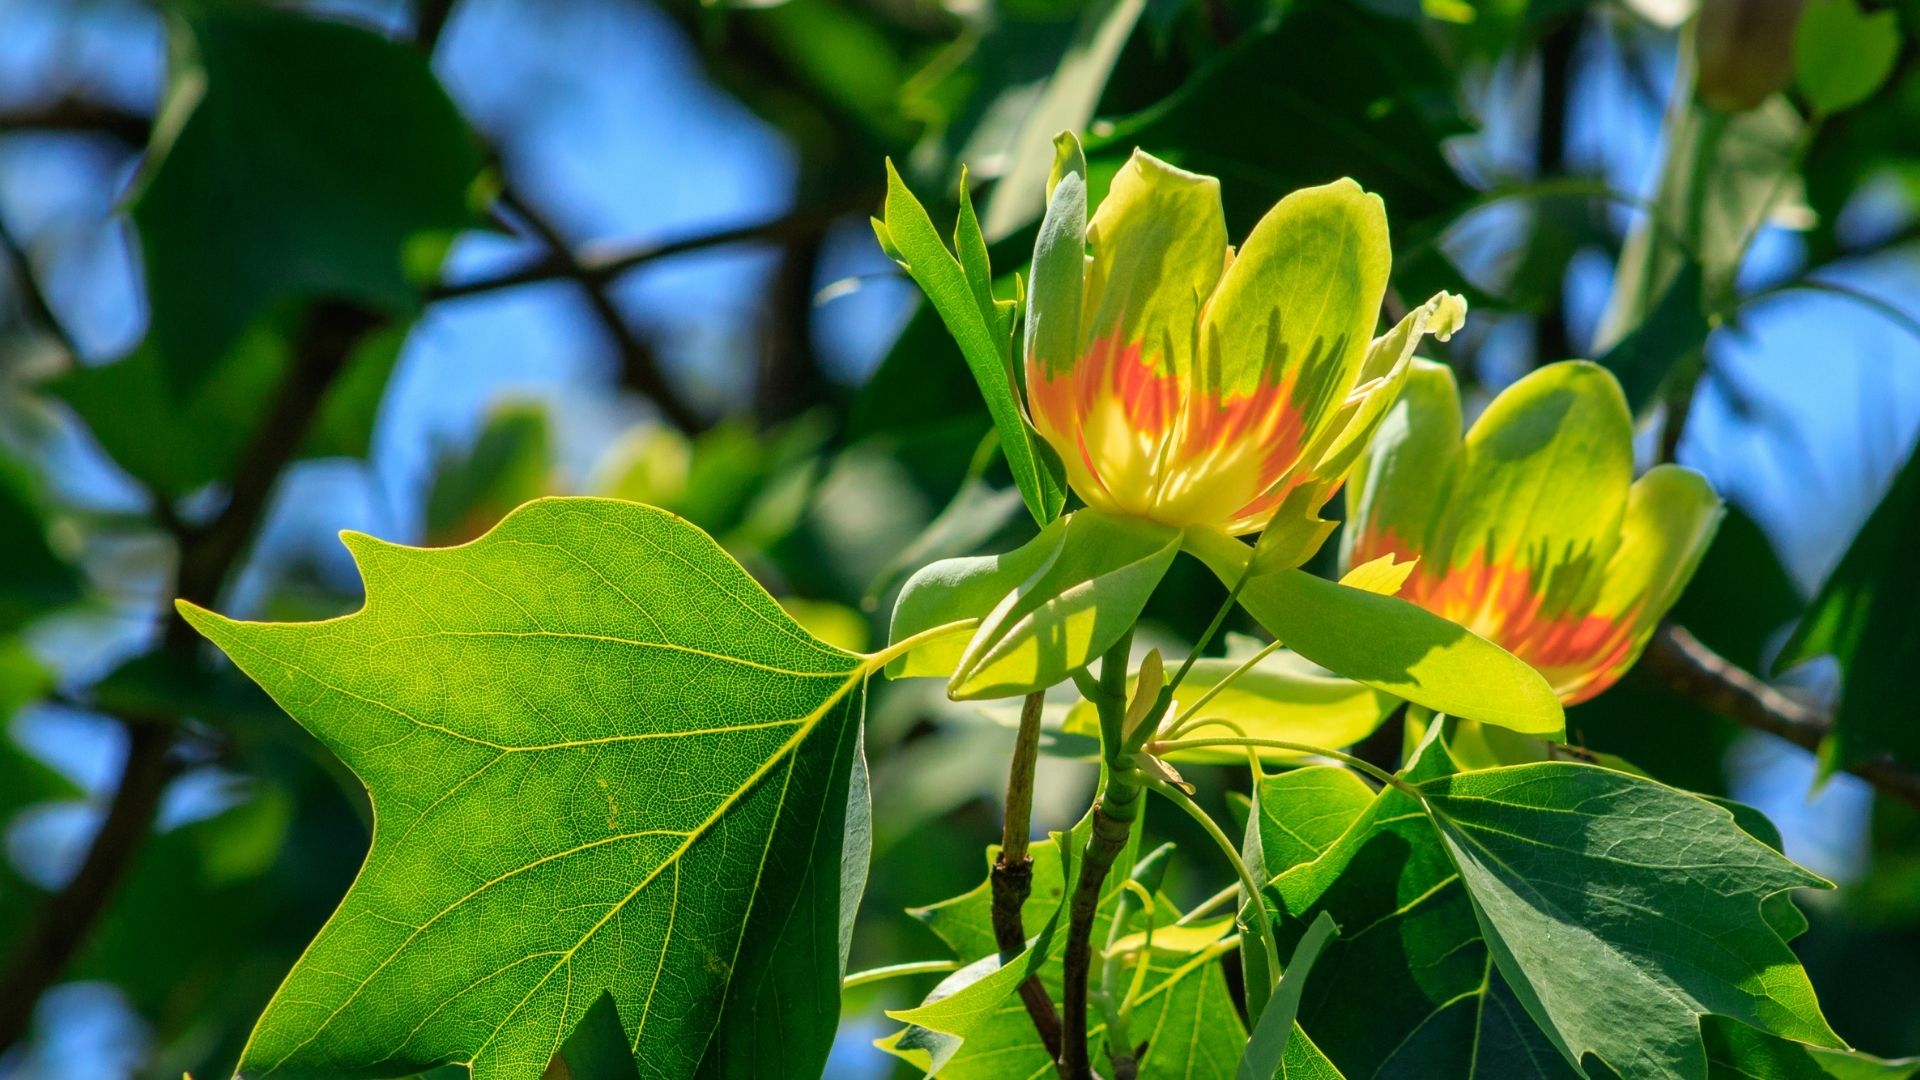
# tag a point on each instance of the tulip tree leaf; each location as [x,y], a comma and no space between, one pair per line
[1621,911]
[600,758]
[1841,54]
[1867,617]
[1387,643]
[1738,1052]
[1408,987]
[263,191]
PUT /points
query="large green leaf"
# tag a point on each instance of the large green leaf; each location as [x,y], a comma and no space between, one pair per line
[601,758]
[1738,1052]
[1408,988]
[959,288]
[1071,610]
[261,190]
[1387,643]
[1867,617]
[1841,54]
[1621,911]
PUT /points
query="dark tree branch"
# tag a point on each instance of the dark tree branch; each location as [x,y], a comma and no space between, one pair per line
[639,366]
[1550,160]
[70,114]
[1694,671]
[600,264]
[430,21]
[1012,875]
[789,378]
[207,556]
[26,284]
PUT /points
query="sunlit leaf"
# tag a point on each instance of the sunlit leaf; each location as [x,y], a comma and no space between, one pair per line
[1387,643]
[1073,608]
[954,288]
[600,718]
[1281,697]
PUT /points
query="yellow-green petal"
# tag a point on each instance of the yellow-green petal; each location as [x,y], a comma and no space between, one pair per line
[1298,305]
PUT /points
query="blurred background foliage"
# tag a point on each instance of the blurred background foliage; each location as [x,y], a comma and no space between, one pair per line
[270,272]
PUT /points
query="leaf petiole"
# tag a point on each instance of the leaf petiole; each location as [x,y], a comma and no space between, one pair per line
[1263,923]
[899,971]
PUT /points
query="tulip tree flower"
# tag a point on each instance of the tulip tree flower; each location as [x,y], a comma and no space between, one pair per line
[1188,384]
[1531,531]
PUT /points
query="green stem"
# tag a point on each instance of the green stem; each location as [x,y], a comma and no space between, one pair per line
[1361,764]
[1262,922]
[1205,907]
[899,971]
[1206,636]
[1180,722]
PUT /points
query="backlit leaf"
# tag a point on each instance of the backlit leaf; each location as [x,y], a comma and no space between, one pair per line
[1387,643]
[953,286]
[600,759]
[1074,608]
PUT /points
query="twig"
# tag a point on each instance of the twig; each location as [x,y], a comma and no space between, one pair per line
[430,20]
[1114,814]
[79,114]
[639,366]
[207,556]
[1702,675]
[27,284]
[602,263]
[1113,818]
[1012,875]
